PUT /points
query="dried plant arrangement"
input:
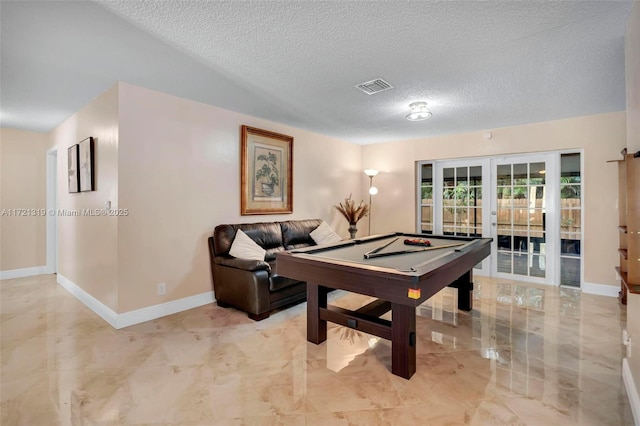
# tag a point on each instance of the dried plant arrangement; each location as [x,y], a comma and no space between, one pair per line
[351,212]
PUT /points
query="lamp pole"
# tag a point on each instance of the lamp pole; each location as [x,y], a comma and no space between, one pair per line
[370,201]
[372,191]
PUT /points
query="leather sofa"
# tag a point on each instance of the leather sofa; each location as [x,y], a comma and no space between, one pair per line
[252,285]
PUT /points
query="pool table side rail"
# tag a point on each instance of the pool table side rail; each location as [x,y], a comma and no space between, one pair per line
[381,282]
[346,243]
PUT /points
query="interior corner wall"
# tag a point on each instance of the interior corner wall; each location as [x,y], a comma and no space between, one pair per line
[179,177]
[22,188]
[601,136]
[87,244]
[632,63]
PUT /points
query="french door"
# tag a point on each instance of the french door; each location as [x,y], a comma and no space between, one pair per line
[506,198]
[461,188]
[523,217]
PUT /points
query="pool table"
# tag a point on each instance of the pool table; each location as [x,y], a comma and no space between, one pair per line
[400,281]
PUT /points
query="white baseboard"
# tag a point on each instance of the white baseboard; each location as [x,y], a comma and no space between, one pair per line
[138,316]
[21,273]
[156,311]
[600,289]
[632,391]
[102,310]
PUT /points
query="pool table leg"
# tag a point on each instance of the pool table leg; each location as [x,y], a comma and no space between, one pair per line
[316,299]
[403,340]
[464,284]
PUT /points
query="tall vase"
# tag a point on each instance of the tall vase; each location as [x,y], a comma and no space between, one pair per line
[352,230]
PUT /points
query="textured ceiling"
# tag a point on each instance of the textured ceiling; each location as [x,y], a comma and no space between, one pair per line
[479,65]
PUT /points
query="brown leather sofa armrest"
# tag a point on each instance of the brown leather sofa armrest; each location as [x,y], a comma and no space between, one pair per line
[244,264]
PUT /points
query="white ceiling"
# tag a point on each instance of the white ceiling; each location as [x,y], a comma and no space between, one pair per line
[479,65]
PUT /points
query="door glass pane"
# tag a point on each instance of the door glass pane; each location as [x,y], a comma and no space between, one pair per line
[448,197]
[462,195]
[522,194]
[537,219]
[520,243]
[521,264]
[537,173]
[536,197]
[520,174]
[475,217]
[462,231]
[462,216]
[427,214]
[504,262]
[462,176]
[427,194]
[537,245]
[448,177]
[570,220]
[537,266]
[570,244]
[475,175]
[570,195]
[504,218]
[427,174]
[537,233]
[504,174]
[570,168]
[570,271]
[475,195]
[520,219]
[504,242]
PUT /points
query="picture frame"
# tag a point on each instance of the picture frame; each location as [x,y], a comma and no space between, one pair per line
[85,164]
[72,166]
[266,172]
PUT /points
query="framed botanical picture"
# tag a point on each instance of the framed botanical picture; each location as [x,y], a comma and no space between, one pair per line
[72,165]
[86,164]
[266,172]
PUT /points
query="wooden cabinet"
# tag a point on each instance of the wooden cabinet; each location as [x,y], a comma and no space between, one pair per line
[629,225]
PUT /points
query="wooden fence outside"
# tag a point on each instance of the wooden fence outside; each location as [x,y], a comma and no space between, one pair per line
[523,215]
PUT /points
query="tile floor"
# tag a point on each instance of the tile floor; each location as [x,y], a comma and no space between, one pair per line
[526,355]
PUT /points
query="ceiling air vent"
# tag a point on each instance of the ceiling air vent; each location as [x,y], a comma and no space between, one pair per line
[374,86]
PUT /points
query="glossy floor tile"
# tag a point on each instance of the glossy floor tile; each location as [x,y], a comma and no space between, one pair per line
[526,355]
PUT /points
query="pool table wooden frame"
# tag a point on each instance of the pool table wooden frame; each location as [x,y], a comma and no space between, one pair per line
[398,291]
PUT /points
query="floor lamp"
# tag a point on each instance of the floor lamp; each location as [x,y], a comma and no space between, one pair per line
[372,191]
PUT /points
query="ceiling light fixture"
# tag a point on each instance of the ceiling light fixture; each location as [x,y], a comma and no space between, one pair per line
[419,111]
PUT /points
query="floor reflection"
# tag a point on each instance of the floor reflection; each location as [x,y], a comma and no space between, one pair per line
[526,354]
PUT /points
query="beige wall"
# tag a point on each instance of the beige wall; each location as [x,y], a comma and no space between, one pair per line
[22,186]
[632,61]
[179,177]
[601,136]
[87,245]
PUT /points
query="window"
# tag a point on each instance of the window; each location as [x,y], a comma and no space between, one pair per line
[570,219]
[426,198]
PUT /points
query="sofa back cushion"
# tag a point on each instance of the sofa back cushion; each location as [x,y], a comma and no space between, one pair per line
[267,235]
[295,233]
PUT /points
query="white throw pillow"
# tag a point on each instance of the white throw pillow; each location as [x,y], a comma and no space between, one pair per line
[323,234]
[245,248]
